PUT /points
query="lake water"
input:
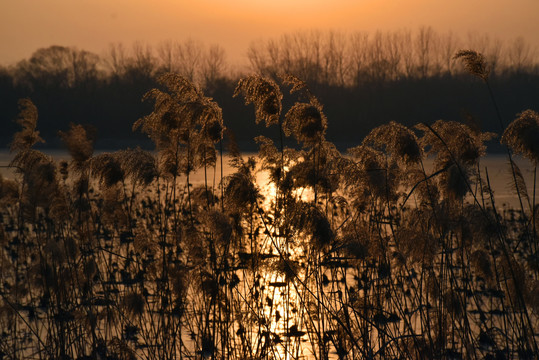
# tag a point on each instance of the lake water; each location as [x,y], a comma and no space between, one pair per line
[497,166]
[283,295]
[501,178]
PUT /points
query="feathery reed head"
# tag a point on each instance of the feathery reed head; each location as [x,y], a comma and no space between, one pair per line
[264,94]
[79,141]
[182,88]
[267,152]
[139,164]
[213,127]
[9,191]
[451,139]
[182,117]
[296,83]
[27,118]
[134,303]
[355,244]
[455,181]
[397,140]
[168,163]
[426,191]
[220,226]
[240,192]
[107,168]
[482,264]
[203,197]
[474,62]
[39,176]
[306,122]
[415,240]
[522,135]
[287,267]
[309,221]
[379,177]
[28,160]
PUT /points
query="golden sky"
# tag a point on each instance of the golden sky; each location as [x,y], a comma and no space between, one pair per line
[26,25]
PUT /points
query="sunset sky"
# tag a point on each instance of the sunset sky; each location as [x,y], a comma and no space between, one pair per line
[26,25]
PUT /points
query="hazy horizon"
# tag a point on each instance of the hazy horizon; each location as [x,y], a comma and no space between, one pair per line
[28,25]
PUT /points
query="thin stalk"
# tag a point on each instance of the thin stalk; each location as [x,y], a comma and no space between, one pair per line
[221,182]
[502,129]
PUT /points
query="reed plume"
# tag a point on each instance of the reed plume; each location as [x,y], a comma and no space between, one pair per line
[397,140]
[107,168]
[522,135]
[265,95]
[474,62]
[306,122]
[28,136]
[240,192]
[373,173]
[139,164]
[9,191]
[79,141]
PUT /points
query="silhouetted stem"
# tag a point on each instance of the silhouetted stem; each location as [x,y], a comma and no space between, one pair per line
[221,182]
[502,129]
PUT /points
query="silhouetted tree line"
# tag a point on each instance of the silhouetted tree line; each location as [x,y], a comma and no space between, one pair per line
[353,60]
[363,79]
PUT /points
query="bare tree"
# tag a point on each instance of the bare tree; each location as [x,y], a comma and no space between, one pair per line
[142,60]
[393,56]
[348,60]
[357,57]
[519,54]
[447,47]
[257,57]
[166,55]
[333,54]
[58,66]
[190,59]
[424,42]
[214,64]
[378,64]
[116,59]
[274,57]
[407,52]
[300,54]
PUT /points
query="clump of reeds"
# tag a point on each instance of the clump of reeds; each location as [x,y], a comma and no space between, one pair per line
[368,255]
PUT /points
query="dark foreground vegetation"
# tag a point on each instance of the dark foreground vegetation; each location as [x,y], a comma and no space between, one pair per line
[365,256]
[364,80]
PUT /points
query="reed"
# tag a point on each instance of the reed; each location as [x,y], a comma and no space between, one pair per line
[369,254]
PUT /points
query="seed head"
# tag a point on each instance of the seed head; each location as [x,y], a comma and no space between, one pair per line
[454,182]
[474,62]
[79,141]
[240,192]
[28,136]
[522,135]
[139,164]
[107,168]
[397,140]
[134,303]
[306,122]
[264,94]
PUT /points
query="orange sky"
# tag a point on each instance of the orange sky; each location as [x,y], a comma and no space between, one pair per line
[26,25]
